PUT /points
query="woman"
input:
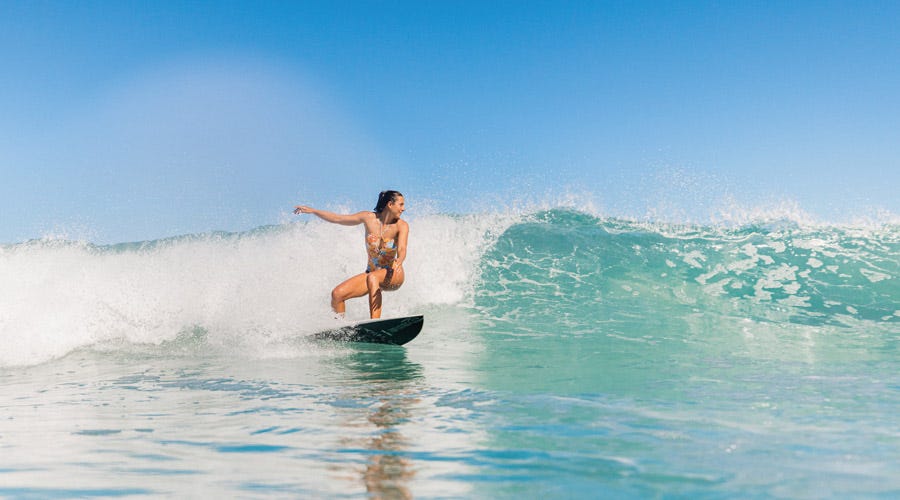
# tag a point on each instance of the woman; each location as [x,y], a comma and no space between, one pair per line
[386,237]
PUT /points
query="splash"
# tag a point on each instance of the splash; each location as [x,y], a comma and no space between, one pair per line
[238,292]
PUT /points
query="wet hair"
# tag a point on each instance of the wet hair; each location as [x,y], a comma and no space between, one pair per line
[384,198]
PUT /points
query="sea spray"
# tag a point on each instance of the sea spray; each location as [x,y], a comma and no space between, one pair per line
[240,291]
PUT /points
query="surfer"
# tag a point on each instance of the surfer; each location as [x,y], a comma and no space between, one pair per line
[386,236]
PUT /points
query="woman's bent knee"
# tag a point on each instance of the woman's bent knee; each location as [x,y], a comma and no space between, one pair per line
[372,281]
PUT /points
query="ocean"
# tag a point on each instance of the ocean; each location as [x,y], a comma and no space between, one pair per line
[564,355]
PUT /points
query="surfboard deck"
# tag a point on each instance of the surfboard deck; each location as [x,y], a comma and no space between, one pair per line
[396,331]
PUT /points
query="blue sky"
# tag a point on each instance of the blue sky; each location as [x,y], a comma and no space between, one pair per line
[124,121]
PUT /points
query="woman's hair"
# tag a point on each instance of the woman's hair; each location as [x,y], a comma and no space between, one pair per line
[384,198]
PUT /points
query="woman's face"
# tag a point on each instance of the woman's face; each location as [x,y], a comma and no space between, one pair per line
[396,207]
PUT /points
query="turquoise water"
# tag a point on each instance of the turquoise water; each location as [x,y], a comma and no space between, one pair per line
[563,355]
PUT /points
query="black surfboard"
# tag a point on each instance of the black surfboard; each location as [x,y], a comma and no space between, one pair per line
[396,331]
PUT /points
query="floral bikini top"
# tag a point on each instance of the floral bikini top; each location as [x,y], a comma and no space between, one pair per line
[382,252]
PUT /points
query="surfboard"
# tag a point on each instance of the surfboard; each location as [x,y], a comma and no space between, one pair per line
[396,331]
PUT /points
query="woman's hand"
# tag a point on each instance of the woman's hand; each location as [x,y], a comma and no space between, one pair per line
[301,209]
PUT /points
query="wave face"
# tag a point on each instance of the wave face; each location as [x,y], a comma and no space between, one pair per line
[575,265]
[620,299]
[556,272]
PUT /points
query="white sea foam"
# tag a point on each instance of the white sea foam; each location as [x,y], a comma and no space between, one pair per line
[242,290]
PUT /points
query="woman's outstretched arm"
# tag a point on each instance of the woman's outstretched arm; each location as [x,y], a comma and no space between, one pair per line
[344,220]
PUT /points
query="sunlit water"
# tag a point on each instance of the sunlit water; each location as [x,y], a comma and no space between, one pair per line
[562,356]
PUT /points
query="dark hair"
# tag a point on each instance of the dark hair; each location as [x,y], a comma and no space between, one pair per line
[384,198]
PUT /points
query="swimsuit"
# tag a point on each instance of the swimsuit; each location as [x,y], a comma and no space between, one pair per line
[382,252]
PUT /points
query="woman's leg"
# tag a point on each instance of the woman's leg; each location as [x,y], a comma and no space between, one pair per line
[352,287]
[366,283]
[373,285]
[389,279]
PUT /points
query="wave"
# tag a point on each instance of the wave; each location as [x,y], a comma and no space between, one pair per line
[556,271]
[568,272]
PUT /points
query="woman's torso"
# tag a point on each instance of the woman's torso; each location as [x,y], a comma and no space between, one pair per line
[381,244]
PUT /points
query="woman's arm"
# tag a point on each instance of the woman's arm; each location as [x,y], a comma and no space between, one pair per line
[402,237]
[344,220]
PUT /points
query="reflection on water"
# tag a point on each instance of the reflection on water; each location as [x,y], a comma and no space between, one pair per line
[382,364]
[386,389]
